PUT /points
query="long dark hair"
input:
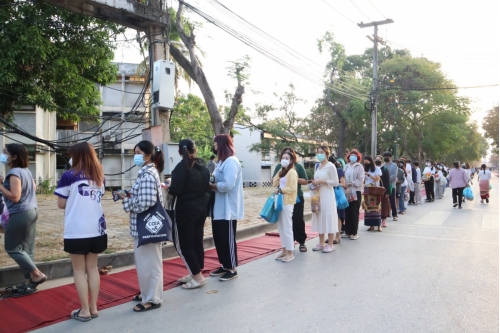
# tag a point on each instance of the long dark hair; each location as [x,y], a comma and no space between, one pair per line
[188,150]
[293,158]
[19,150]
[370,167]
[225,147]
[85,161]
[483,167]
[156,154]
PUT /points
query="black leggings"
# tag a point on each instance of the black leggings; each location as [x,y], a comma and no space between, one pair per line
[429,189]
[299,226]
[187,232]
[352,216]
[457,192]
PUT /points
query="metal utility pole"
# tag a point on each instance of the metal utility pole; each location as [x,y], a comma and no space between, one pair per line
[375,40]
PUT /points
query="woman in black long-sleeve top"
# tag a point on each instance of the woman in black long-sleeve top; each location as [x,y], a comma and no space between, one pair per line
[190,187]
[385,182]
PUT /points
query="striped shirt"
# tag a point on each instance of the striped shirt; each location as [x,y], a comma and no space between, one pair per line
[142,195]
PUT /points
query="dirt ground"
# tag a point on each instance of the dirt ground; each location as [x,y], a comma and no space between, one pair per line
[50,225]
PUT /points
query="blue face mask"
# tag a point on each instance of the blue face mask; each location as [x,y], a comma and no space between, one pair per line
[4,159]
[139,160]
[353,158]
[320,157]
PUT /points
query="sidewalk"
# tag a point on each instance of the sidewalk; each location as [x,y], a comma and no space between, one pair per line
[435,270]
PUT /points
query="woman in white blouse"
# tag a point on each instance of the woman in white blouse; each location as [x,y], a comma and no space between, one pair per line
[325,222]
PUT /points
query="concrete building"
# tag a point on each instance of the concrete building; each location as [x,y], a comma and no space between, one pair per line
[123,117]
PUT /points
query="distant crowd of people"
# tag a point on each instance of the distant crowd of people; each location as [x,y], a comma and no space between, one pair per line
[382,185]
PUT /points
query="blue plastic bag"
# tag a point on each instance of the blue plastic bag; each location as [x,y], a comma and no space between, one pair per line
[468,193]
[268,213]
[278,203]
[340,198]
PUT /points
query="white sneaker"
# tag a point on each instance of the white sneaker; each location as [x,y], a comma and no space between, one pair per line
[344,236]
[354,237]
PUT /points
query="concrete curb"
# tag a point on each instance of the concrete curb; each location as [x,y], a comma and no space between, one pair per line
[56,269]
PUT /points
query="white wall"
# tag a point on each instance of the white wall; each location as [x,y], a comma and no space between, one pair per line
[251,161]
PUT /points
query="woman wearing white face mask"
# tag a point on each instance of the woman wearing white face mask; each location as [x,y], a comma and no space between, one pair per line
[326,221]
[354,175]
[143,195]
[428,179]
[286,179]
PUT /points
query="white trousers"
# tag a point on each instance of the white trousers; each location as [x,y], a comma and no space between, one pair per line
[418,195]
[285,227]
[149,266]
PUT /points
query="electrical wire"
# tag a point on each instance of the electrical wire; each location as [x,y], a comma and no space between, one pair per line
[265,51]
[377,9]
[489,56]
[445,88]
[369,19]
[338,12]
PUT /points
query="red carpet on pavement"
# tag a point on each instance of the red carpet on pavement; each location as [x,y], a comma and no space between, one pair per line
[54,305]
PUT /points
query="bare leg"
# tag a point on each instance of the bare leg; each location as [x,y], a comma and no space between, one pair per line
[93,280]
[321,239]
[330,239]
[78,262]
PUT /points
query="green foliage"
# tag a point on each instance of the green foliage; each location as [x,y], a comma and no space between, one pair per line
[490,125]
[281,124]
[190,119]
[45,187]
[54,58]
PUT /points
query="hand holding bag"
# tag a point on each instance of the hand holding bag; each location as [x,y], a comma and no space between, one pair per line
[278,202]
[268,213]
[154,224]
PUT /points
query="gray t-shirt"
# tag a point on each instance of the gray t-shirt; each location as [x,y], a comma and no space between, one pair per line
[211,166]
[28,195]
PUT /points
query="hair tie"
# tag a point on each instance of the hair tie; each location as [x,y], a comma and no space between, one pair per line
[157,149]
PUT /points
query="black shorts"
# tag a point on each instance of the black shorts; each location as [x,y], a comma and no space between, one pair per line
[86,245]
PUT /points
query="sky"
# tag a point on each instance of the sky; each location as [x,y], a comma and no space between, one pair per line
[462,35]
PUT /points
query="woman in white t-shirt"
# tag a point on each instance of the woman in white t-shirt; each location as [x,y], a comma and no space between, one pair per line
[79,192]
[484,177]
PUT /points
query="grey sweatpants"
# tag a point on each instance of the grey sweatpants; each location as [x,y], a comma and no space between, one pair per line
[149,266]
[20,239]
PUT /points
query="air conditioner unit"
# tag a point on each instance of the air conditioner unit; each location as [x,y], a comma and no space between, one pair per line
[163,84]
[109,138]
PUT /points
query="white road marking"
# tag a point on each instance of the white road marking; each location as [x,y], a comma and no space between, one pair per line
[489,221]
[433,218]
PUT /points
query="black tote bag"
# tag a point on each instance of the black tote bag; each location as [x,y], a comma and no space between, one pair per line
[154,225]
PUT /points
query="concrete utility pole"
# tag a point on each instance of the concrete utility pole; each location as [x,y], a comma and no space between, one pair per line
[374,95]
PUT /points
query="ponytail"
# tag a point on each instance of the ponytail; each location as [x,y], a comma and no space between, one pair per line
[159,160]
[187,149]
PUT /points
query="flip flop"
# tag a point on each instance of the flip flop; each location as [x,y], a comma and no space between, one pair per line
[142,308]
[194,285]
[75,315]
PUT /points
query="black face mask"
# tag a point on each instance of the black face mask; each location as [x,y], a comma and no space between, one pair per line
[378,163]
[214,150]
[386,159]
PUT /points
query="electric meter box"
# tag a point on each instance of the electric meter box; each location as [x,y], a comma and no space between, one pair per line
[171,156]
[163,84]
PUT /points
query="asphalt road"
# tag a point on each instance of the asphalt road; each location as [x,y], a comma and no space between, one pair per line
[435,270]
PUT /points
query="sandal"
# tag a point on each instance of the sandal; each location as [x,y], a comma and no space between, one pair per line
[193,284]
[24,292]
[142,308]
[75,315]
[395,218]
[280,256]
[336,241]
[185,279]
[370,229]
[137,298]
[32,284]
[303,248]
[379,229]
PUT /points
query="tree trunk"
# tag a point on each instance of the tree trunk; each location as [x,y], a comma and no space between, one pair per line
[342,134]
